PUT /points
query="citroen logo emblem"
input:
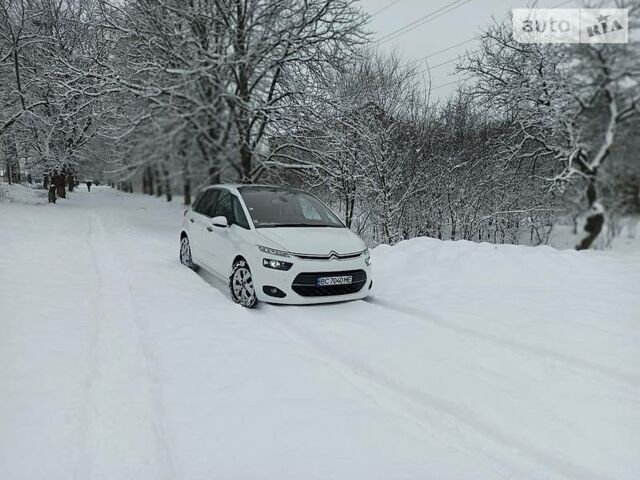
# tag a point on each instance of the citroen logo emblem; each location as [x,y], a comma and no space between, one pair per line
[333,255]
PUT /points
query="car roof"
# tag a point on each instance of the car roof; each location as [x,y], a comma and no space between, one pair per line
[224,186]
[235,187]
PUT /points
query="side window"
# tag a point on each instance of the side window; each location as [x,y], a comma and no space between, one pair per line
[223,207]
[205,204]
[211,204]
[239,217]
[198,201]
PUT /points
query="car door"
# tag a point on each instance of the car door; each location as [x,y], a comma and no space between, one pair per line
[192,228]
[222,246]
[202,228]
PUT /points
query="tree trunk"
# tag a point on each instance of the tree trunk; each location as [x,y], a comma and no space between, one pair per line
[52,193]
[245,160]
[145,182]
[167,184]
[214,175]
[187,189]
[158,181]
[59,181]
[350,201]
[71,182]
[150,182]
[243,124]
[595,218]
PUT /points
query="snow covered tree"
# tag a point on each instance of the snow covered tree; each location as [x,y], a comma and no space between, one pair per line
[211,80]
[567,101]
[51,54]
[360,137]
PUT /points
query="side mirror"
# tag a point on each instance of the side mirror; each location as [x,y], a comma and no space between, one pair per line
[220,221]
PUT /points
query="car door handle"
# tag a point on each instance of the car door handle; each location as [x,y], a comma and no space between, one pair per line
[191,220]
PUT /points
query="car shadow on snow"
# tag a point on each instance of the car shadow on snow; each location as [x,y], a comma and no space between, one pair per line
[215,281]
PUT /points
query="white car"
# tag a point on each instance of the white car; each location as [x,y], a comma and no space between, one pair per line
[274,244]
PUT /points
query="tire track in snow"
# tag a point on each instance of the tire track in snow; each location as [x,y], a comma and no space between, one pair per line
[425,408]
[122,434]
[580,364]
[82,460]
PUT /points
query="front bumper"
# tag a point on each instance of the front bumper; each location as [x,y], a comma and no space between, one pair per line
[296,283]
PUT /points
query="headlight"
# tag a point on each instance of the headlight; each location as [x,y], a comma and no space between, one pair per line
[272,251]
[276,264]
[367,257]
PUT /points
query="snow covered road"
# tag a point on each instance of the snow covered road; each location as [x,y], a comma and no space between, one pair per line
[470,361]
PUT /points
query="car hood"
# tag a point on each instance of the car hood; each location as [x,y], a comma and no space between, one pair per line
[314,240]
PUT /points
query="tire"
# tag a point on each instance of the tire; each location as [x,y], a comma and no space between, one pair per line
[241,287]
[185,254]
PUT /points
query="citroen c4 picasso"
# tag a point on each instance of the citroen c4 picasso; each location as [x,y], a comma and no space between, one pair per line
[274,244]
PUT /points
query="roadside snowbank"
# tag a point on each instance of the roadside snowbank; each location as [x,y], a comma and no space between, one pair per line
[17,193]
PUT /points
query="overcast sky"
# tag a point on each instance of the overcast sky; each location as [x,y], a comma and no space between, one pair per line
[449,28]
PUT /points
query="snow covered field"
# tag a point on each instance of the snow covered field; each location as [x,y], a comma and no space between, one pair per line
[470,361]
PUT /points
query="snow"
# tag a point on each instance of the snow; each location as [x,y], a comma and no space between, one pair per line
[17,193]
[469,361]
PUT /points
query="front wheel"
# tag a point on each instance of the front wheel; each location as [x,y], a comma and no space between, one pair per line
[241,287]
[185,254]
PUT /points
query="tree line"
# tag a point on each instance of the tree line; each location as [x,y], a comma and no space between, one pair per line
[169,96]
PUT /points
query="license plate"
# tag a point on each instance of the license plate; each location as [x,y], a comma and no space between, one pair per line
[328,281]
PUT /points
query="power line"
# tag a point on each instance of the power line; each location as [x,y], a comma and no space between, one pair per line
[429,20]
[469,40]
[424,20]
[446,62]
[454,59]
[449,7]
[386,7]
[445,85]
[449,48]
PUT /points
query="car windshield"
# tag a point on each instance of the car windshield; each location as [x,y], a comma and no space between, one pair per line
[284,207]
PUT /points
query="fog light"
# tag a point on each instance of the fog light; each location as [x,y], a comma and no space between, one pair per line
[273,291]
[276,264]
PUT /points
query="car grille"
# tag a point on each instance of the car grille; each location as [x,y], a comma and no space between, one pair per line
[305,283]
[330,256]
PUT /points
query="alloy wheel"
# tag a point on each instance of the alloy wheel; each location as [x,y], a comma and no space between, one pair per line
[242,288]
[185,253]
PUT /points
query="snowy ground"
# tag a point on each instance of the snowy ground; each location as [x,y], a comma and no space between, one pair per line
[469,362]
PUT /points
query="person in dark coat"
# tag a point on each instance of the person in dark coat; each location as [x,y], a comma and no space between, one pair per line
[89,186]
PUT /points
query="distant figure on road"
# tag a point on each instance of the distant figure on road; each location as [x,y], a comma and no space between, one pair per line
[89,186]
